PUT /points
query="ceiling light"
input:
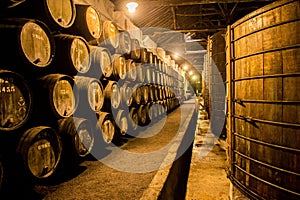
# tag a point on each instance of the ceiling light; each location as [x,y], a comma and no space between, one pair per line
[191,72]
[131,6]
[185,67]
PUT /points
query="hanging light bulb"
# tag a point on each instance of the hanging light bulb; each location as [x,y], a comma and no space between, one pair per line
[131,6]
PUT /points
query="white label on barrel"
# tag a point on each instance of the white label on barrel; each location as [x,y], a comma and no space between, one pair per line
[13,104]
[44,146]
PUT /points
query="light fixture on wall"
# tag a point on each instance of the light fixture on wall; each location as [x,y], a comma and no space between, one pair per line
[131,6]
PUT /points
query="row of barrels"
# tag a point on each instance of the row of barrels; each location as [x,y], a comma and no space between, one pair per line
[65,94]
[71,83]
[42,53]
[62,125]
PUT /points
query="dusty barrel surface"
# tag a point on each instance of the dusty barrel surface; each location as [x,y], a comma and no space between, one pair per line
[57,95]
[30,44]
[263,101]
[57,14]
[77,136]
[15,100]
[40,148]
[101,63]
[91,94]
[72,55]
[87,24]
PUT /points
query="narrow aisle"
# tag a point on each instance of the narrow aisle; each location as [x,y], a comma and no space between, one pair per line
[207,177]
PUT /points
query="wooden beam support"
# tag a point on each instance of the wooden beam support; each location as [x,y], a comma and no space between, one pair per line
[201,30]
[197,15]
[174,17]
[192,2]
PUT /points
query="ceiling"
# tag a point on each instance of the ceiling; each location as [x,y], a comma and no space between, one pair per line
[184,25]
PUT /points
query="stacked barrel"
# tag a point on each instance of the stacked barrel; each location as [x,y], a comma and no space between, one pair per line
[71,80]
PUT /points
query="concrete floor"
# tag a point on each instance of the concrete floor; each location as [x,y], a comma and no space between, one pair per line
[207,177]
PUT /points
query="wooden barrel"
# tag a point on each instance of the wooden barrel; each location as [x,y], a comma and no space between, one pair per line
[150,57]
[15,100]
[77,137]
[106,126]
[263,101]
[101,63]
[31,45]
[121,121]
[87,24]
[57,95]
[131,71]
[40,148]
[140,72]
[135,53]
[91,94]
[144,94]
[137,94]
[112,97]
[72,55]
[110,36]
[143,115]
[144,56]
[217,84]
[148,74]
[126,93]
[152,113]
[124,47]
[152,93]
[133,120]
[57,14]
[119,67]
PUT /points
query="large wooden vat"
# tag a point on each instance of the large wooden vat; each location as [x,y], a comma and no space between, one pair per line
[263,74]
